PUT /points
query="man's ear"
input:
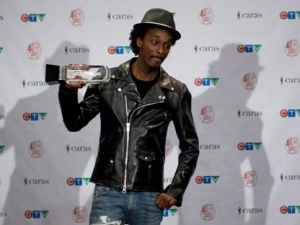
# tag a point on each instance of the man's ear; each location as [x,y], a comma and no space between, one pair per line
[139,42]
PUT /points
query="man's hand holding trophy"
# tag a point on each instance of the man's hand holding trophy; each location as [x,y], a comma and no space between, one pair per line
[77,75]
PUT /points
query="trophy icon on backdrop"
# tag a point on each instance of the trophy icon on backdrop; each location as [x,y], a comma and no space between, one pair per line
[76,73]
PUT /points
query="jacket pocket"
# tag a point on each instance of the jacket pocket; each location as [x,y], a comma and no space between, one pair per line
[105,165]
[145,155]
[158,119]
[109,167]
[146,164]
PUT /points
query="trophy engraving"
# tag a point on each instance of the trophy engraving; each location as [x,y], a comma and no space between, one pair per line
[76,73]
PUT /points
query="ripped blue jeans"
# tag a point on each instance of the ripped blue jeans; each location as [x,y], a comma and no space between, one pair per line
[113,207]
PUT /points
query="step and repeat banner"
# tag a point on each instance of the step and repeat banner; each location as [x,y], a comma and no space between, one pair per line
[240,59]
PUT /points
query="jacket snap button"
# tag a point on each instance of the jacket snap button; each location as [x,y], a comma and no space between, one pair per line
[119,89]
[113,76]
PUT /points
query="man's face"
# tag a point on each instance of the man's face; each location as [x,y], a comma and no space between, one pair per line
[154,47]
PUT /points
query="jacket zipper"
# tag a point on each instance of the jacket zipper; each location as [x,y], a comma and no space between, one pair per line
[127,147]
[127,139]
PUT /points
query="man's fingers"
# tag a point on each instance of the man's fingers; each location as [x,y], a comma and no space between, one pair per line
[165,201]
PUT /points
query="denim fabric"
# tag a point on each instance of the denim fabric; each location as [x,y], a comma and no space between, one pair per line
[113,207]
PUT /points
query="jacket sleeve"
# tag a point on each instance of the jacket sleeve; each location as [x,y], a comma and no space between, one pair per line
[189,148]
[77,115]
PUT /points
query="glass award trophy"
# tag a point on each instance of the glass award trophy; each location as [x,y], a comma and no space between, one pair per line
[76,73]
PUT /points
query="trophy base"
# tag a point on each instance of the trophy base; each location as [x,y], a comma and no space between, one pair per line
[77,73]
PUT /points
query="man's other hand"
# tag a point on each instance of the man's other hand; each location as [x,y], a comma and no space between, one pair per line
[165,201]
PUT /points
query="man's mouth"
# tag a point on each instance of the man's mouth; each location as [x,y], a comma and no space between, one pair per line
[158,58]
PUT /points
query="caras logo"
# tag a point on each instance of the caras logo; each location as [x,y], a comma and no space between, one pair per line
[289,177]
[206,48]
[35,181]
[249,113]
[248,15]
[119,16]
[249,210]
[78,148]
[34,83]
[289,80]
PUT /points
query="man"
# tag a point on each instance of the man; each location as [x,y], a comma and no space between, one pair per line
[136,107]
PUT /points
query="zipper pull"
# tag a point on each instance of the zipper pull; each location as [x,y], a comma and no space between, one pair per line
[127,127]
[124,189]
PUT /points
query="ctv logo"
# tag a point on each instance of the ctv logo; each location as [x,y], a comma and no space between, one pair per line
[32,17]
[289,112]
[166,212]
[206,81]
[248,48]
[289,209]
[77,181]
[2,148]
[206,179]
[118,49]
[248,146]
[290,15]
[34,116]
[36,214]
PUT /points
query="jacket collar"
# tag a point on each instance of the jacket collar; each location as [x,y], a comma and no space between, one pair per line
[163,80]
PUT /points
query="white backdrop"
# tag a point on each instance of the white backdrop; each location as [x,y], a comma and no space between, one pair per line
[240,60]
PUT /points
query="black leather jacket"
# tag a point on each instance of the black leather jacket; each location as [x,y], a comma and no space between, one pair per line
[131,152]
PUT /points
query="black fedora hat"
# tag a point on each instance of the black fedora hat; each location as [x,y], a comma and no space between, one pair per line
[162,19]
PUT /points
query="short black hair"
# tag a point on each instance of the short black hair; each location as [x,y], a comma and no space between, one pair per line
[140,31]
